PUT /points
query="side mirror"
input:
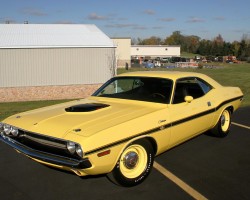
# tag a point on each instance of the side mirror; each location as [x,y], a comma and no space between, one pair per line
[189,99]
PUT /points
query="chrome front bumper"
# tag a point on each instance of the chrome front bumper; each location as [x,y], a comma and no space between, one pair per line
[46,157]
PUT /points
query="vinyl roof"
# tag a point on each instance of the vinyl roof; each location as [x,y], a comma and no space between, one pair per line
[52,36]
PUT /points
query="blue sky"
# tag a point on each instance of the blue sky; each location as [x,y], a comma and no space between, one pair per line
[138,18]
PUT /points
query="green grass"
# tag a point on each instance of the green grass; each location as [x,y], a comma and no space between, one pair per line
[233,75]
[229,75]
[11,108]
[188,55]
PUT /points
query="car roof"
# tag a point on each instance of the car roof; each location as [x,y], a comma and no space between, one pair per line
[174,75]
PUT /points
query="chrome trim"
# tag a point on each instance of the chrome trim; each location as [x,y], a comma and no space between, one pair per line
[42,138]
[45,142]
[39,138]
[130,160]
[81,163]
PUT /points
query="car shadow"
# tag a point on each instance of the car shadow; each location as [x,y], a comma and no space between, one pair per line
[73,174]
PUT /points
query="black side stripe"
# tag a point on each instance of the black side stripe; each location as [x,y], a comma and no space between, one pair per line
[125,140]
[228,101]
[162,127]
[192,117]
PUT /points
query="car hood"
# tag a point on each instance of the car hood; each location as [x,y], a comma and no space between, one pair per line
[84,117]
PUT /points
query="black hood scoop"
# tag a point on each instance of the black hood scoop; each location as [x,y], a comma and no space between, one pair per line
[88,107]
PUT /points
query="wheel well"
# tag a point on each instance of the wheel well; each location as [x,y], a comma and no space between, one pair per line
[231,109]
[152,142]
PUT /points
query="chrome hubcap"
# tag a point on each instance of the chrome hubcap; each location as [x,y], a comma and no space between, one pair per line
[133,161]
[130,160]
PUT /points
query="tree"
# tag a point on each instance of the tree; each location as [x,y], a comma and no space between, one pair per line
[140,41]
[227,49]
[153,40]
[235,46]
[219,40]
[194,44]
[217,46]
[205,47]
[244,50]
[191,44]
[175,39]
[246,38]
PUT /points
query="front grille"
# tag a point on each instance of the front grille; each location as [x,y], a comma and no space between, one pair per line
[44,143]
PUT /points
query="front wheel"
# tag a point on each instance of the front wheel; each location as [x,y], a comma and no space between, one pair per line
[222,127]
[134,164]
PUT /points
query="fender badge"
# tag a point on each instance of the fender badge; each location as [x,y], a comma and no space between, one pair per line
[18,116]
[77,130]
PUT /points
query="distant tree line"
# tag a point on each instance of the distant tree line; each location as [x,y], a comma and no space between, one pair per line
[196,45]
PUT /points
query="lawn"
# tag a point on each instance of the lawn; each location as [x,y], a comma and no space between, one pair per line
[7,109]
[226,74]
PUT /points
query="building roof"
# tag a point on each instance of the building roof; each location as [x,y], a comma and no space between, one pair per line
[150,46]
[52,36]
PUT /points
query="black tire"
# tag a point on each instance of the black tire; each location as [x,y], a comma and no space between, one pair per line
[222,127]
[134,164]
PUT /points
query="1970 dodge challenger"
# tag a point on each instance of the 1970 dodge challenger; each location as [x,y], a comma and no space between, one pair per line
[126,123]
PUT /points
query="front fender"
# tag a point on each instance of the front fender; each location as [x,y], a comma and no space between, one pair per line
[106,163]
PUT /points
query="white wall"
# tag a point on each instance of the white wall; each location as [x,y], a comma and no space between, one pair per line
[155,51]
[123,46]
[54,66]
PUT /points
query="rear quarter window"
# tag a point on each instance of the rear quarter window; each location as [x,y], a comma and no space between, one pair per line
[204,85]
[190,86]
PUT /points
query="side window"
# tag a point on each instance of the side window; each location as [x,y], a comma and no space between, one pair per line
[191,86]
[180,92]
[204,85]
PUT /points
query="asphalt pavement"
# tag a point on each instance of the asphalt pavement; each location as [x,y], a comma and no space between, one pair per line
[218,168]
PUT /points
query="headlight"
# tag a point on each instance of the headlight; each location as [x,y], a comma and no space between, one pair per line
[74,148]
[7,129]
[71,146]
[79,151]
[14,131]
[1,126]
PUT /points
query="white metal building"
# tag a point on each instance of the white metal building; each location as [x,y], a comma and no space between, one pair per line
[123,51]
[53,61]
[155,51]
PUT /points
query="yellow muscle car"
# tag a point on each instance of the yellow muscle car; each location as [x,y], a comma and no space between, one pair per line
[126,123]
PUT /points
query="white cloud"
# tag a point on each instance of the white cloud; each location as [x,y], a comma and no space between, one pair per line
[120,25]
[219,18]
[149,12]
[169,19]
[94,16]
[195,20]
[33,12]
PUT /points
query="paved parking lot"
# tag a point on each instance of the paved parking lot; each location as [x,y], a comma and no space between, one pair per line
[212,167]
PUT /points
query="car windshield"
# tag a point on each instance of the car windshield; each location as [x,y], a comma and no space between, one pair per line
[157,90]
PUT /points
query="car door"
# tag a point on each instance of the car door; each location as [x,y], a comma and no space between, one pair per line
[193,116]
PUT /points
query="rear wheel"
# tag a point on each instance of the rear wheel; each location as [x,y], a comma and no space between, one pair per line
[134,164]
[223,125]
